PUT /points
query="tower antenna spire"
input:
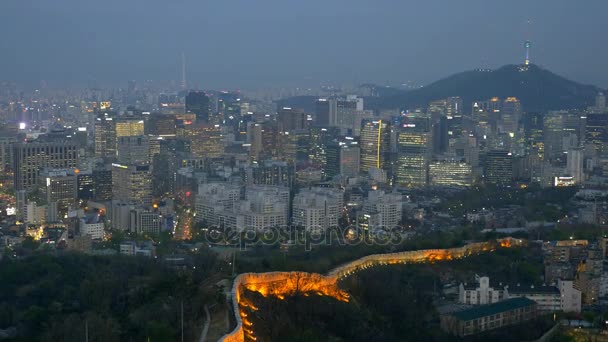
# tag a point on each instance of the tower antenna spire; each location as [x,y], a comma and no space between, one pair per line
[527,44]
[184,82]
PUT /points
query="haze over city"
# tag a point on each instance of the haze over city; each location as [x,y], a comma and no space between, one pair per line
[245,44]
[314,170]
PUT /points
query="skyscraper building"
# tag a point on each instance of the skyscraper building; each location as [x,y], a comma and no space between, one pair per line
[322,110]
[30,158]
[574,165]
[375,142]
[450,173]
[129,127]
[597,131]
[59,186]
[343,158]
[105,136]
[197,102]
[132,183]
[292,119]
[414,148]
[133,150]
[510,116]
[498,167]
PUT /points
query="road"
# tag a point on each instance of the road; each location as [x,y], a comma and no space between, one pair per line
[206,326]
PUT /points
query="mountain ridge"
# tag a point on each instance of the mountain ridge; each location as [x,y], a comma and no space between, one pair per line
[537,88]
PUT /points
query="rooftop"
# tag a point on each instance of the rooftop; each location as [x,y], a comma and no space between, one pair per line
[492,309]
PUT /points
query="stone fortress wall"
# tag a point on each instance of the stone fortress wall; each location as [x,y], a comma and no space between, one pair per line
[281,284]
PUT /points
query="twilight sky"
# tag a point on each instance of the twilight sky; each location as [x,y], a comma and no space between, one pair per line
[244,43]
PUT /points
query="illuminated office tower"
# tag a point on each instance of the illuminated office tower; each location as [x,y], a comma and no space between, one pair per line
[197,102]
[133,150]
[295,145]
[597,131]
[59,186]
[450,106]
[413,156]
[86,184]
[102,181]
[207,140]
[343,158]
[105,136]
[562,130]
[375,141]
[129,127]
[533,130]
[450,173]
[132,183]
[162,125]
[510,115]
[320,138]
[30,158]
[498,167]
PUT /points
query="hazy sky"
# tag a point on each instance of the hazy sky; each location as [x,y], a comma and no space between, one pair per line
[241,43]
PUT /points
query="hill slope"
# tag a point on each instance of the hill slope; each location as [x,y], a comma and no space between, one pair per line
[538,90]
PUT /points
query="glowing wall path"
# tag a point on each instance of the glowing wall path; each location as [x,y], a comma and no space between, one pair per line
[281,284]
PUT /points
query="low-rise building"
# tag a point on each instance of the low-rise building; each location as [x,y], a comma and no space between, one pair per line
[92,226]
[489,317]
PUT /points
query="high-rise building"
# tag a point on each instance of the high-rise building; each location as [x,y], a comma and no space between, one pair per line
[132,183]
[162,125]
[102,180]
[317,209]
[322,110]
[413,156]
[86,184]
[343,158]
[129,127]
[133,150]
[207,140]
[383,210]
[375,142]
[450,173]
[562,130]
[105,136]
[597,131]
[6,152]
[574,165]
[295,145]
[30,158]
[197,102]
[533,130]
[292,119]
[59,186]
[214,198]
[510,115]
[498,167]
[600,103]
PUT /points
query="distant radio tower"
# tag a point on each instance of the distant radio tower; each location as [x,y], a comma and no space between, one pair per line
[184,82]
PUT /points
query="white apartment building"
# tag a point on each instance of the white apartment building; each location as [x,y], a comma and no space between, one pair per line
[384,210]
[318,209]
[563,297]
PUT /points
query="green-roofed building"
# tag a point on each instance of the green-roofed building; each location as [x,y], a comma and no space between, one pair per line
[489,317]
